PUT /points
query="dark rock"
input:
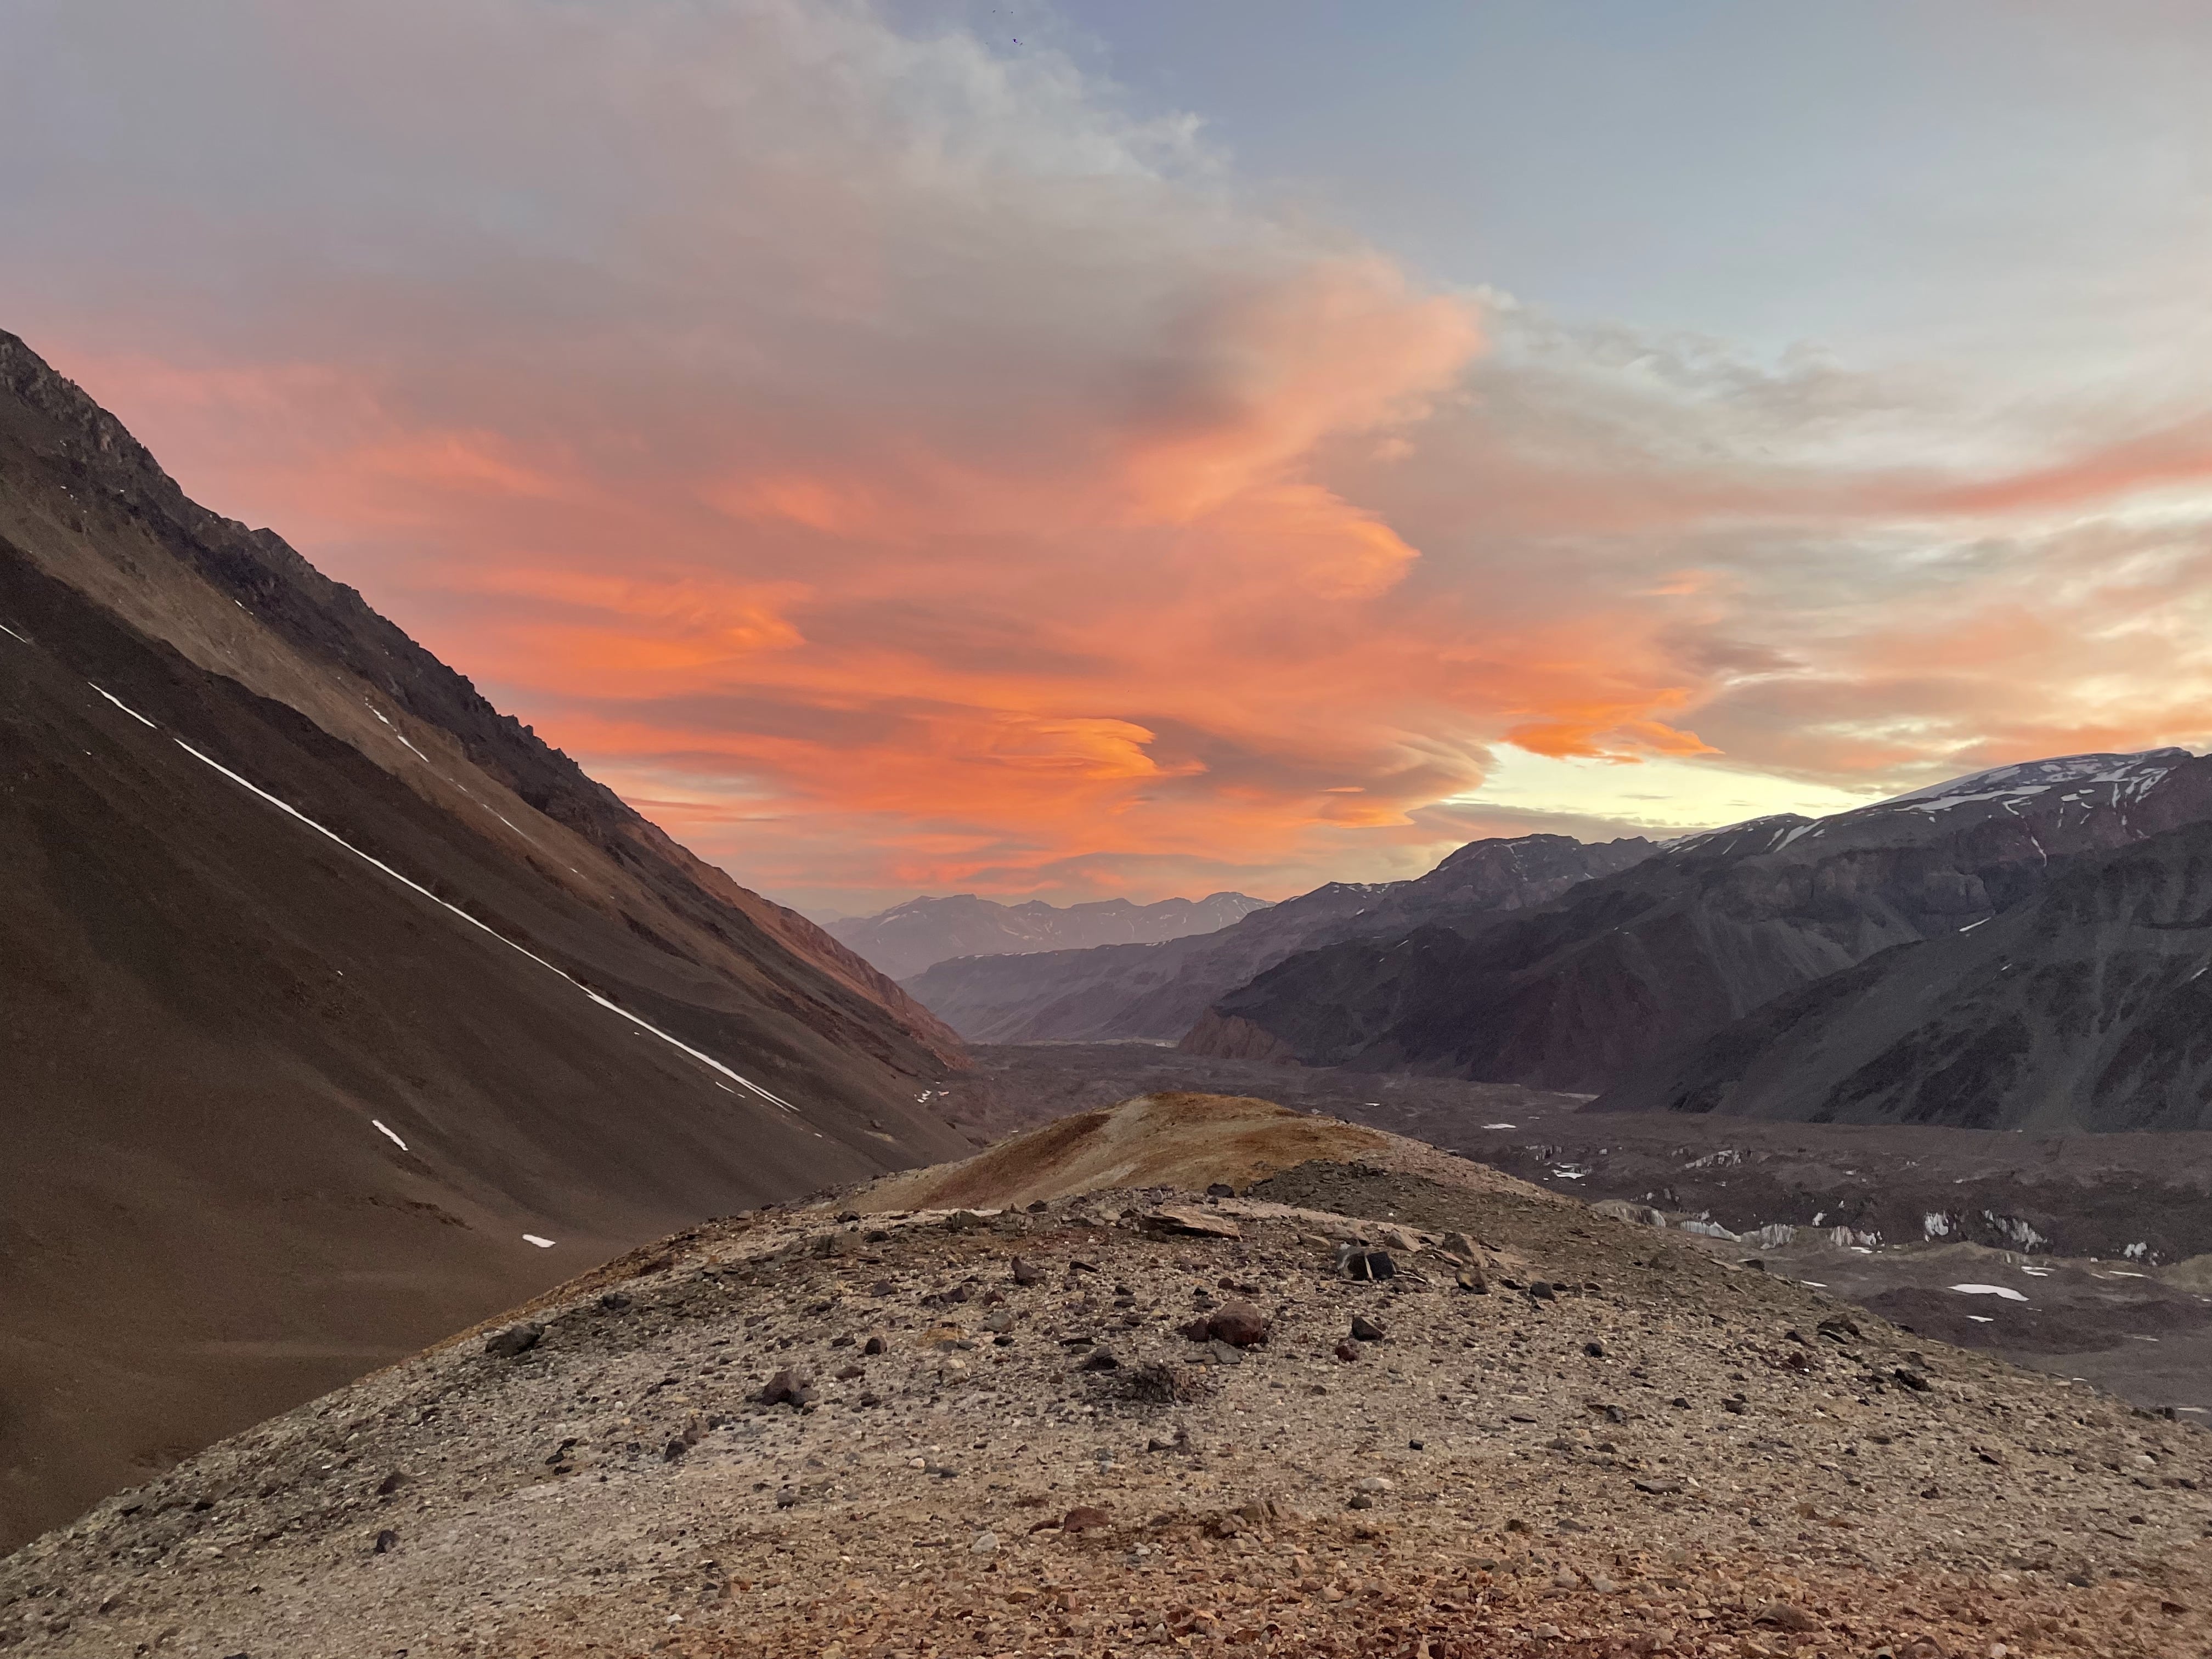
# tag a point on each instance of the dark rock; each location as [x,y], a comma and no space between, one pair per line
[614,1301]
[674,1450]
[1365,1329]
[848,1373]
[1360,1500]
[1221,1189]
[1595,1350]
[386,1541]
[1347,1352]
[1224,1353]
[1912,1380]
[1195,1330]
[1540,1290]
[1099,1359]
[1238,1323]
[787,1387]
[1085,1517]
[873,1345]
[1836,1326]
[394,1481]
[1369,1264]
[514,1340]
[1659,1488]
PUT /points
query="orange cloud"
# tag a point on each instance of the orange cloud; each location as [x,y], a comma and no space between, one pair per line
[897,468]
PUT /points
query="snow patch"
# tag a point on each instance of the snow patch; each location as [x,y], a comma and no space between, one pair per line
[290,810]
[2004,1290]
[542,1244]
[125,708]
[386,1130]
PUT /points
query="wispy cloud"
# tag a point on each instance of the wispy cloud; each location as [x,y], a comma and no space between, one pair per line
[897,467]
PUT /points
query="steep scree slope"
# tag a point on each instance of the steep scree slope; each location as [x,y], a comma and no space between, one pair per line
[2087,1006]
[1132,1421]
[274,1114]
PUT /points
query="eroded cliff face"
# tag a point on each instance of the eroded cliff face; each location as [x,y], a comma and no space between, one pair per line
[328,987]
[1615,976]
[1160,992]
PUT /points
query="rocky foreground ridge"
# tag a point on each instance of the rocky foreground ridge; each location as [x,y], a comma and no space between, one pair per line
[1370,1398]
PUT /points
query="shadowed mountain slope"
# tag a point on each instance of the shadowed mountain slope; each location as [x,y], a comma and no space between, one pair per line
[1617,975]
[2087,1006]
[910,937]
[1159,991]
[323,984]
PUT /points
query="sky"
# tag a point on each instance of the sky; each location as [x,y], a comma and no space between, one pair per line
[1149,447]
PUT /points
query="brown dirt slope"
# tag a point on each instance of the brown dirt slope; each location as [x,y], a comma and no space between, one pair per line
[207,1008]
[815,1431]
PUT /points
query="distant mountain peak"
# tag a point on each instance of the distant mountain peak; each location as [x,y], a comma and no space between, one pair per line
[910,938]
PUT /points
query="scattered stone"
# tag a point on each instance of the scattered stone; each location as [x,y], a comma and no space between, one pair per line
[514,1340]
[1540,1290]
[1365,1329]
[1595,1350]
[1238,1323]
[614,1301]
[1372,1483]
[850,1373]
[874,1344]
[986,1543]
[1185,1221]
[1348,1351]
[1224,1353]
[1360,1500]
[1085,1517]
[1786,1615]
[788,1387]
[394,1481]
[1026,1272]
[1912,1380]
[1099,1359]
[386,1541]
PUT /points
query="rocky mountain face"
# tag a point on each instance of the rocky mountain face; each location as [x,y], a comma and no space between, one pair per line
[338,1008]
[1310,1390]
[2085,1006]
[1160,992]
[908,938]
[1615,976]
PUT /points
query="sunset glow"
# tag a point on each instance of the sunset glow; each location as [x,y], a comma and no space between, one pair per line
[900,462]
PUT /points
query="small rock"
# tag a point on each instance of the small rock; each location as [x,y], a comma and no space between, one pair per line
[1595,1350]
[874,1344]
[1224,1353]
[1372,1482]
[1027,1272]
[1348,1351]
[1416,1446]
[1365,1329]
[1911,1380]
[1098,1359]
[850,1373]
[614,1301]
[1360,1500]
[394,1481]
[1659,1488]
[1784,1615]
[787,1387]
[1540,1289]
[514,1340]
[675,1449]
[1238,1323]
[986,1543]
[1085,1517]
[1220,1190]
[386,1541]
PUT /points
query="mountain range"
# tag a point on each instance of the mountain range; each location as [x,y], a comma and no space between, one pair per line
[1158,992]
[908,938]
[1618,985]
[339,1008]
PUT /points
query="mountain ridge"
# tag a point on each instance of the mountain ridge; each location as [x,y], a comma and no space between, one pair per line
[908,939]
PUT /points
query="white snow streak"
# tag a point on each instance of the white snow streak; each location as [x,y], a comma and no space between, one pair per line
[11,633]
[2004,1290]
[386,1130]
[674,1042]
[542,1244]
[126,709]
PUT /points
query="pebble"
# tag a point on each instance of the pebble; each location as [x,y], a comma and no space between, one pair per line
[514,1340]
